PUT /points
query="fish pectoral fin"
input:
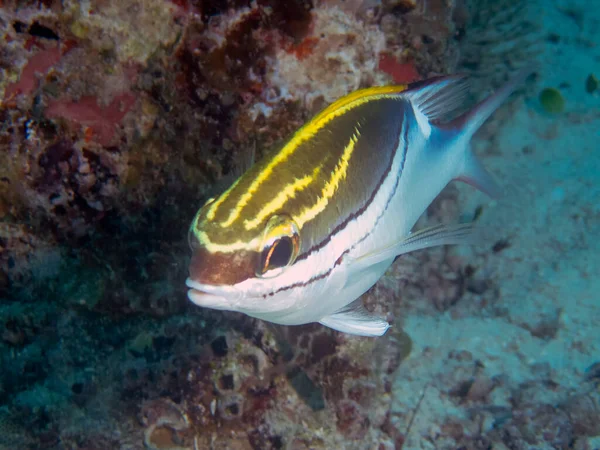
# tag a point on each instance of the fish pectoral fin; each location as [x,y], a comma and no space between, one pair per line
[463,233]
[355,319]
[439,97]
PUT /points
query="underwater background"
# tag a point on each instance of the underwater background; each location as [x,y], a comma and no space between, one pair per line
[120,118]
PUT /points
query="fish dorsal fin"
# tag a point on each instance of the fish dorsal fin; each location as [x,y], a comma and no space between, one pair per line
[438,98]
[355,319]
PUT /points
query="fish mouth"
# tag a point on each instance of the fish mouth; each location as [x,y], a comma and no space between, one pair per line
[208,296]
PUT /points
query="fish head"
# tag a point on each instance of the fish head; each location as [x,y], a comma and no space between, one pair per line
[239,269]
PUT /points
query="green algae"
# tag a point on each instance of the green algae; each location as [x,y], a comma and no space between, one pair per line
[552,100]
[591,84]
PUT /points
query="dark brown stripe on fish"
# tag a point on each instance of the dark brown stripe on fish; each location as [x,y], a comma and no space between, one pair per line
[358,213]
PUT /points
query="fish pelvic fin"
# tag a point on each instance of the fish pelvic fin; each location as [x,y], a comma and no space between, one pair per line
[355,319]
[462,129]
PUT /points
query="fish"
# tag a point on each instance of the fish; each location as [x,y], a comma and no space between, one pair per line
[303,233]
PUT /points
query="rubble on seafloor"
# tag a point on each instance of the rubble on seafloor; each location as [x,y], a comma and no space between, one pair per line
[118,118]
[447,396]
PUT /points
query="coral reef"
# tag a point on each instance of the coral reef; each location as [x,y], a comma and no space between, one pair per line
[495,36]
[113,110]
[117,120]
[178,389]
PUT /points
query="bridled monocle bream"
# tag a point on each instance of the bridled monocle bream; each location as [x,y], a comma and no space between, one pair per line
[306,231]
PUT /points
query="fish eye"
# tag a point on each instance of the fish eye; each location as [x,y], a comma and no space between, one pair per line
[280,246]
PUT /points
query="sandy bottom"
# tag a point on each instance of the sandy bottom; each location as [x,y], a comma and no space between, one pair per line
[532,336]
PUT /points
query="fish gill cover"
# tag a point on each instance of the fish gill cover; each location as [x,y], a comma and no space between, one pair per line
[119,118]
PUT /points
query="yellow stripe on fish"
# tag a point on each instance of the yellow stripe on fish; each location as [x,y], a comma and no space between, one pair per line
[290,191]
[272,185]
[334,110]
[331,187]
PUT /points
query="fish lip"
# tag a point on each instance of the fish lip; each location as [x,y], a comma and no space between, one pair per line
[201,287]
[211,296]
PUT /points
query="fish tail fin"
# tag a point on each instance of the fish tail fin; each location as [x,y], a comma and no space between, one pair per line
[462,129]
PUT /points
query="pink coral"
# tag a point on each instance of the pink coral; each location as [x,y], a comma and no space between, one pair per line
[39,64]
[102,121]
[401,73]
